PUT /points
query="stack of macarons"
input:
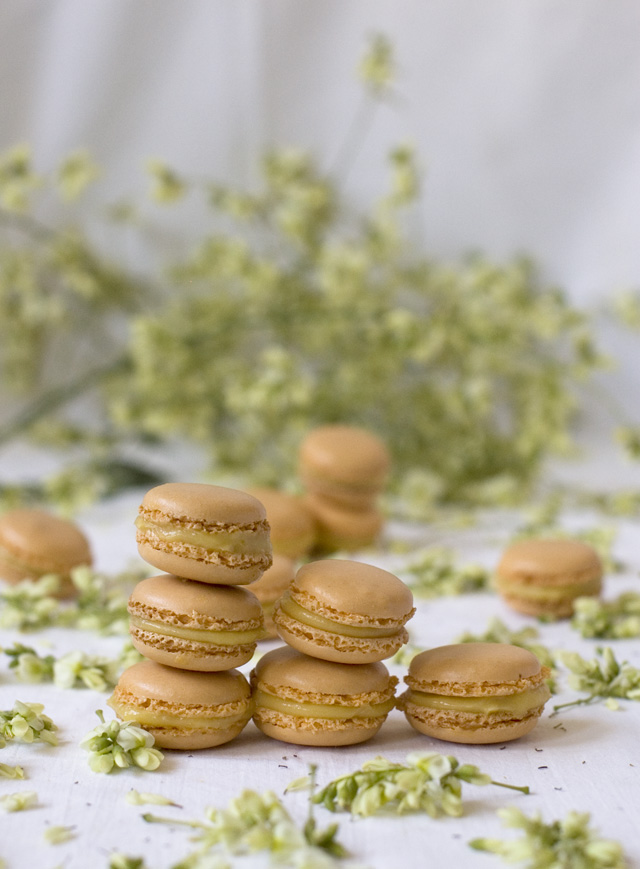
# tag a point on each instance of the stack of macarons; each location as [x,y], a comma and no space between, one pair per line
[327,686]
[344,469]
[195,623]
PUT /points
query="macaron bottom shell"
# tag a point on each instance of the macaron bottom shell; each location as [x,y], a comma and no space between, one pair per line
[481,731]
[554,602]
[318,732]
[204,566]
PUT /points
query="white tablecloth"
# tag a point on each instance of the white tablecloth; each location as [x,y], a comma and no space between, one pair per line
[590,764]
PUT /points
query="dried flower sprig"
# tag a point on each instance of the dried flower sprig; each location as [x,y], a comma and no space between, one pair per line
[26,722]
[601,679]
[434,572]
[260,822]
[569,842]
[429,782]
[119,745]
[616,619]
[136,798]
[73,670]
[18,802]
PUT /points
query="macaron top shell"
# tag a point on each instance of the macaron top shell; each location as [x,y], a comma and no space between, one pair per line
[287,673]
[475,669]
[195,604]
[289,519]
[352,593]
[45,542]
[345,454]
[550,561]
[150,681]
[200,505]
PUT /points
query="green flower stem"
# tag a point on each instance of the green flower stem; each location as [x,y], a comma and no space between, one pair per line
[524,789]
[58,397]
[583,701]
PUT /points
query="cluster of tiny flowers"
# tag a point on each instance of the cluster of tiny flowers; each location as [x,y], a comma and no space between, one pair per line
[565,843]
[18,802]
[616,619]
[434,572]
[73,670]
[429,782]
[119,745]
[26,722]
[602,678]
[255,822]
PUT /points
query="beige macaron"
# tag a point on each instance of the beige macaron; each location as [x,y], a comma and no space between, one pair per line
[207,533]
[34,543]
[475,692]
[339,528]
[270,587]
[307,701]
[344,611]
[181,708]
[194,625]
[544,577]
[345,464]
[292,525]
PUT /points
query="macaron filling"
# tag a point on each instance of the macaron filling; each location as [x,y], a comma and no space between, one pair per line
[246,540]
[322,710]
[519,705]
[293,609]
[127,710]
[548,593]
[198,635]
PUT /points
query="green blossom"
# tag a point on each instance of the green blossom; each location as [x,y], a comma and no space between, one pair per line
[119,745]
[615,619]
[377,67]
[121,861]
[434,572]
[256,822]
[7,771]
[76,172]
[167,186]
[629,438]
[569,842]
[429,782]
[17,179]
[135,798]
[57,835]
[600,678]
[18,802]
[26,722]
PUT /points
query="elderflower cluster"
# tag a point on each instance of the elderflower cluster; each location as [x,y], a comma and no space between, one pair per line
[616,619]
[602,678]
[568,842]
[26,722]
[434,572]
[429,782]
[119,745]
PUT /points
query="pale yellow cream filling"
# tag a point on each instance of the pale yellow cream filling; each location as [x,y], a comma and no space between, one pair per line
[218,638]
[239,542]
[148,718]
[300,614]
[322,710]
[518,705]
[548,593]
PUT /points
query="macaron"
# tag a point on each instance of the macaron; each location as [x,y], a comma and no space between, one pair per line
[293,528]
[307,701]
[34,543]
[544,577]
[194,625]
[202,532]
[475,693]
[344,611]
[181,708]
[339,528]
[345,464]
[270,587]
